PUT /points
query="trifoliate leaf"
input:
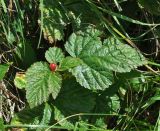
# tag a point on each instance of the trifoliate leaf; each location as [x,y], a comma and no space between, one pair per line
[3,69]
[100,59]
[41,82]
[54,55]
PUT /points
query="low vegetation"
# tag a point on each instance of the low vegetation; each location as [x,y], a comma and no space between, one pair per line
[79,65]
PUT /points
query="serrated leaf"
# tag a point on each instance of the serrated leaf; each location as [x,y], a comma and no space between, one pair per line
[41,82]
[54,55]
[69,62]
[54,20]
[100,122]
[92,78]
[100,59]
[3,69]
[82,43]
[61,119]
[46,116]
[116,56]
[19,80]
[83,126]
[73,99]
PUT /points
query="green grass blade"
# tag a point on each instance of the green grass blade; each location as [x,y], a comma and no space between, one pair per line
[117,4]
[41,28]
[126,18]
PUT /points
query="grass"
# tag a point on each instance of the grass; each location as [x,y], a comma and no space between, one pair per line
[139,95]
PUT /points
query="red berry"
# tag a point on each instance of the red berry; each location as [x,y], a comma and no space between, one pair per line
[53,66]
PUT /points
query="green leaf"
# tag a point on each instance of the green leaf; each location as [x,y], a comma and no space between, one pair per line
[93,78]
[108,101]
[53,20]
[116,56]
[69,62]
[54,55]
[3,69]
[80,10]
[20,81]
[73,99]
[99,60]
[100,122]
[28,115]
[108,104]
[41,82]
[2,125]
[46,116]
[81,43]
[152,99]
[24,58]
[134,78]
[61,119]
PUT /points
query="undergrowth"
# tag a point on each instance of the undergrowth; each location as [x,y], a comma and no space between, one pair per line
[79,65]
